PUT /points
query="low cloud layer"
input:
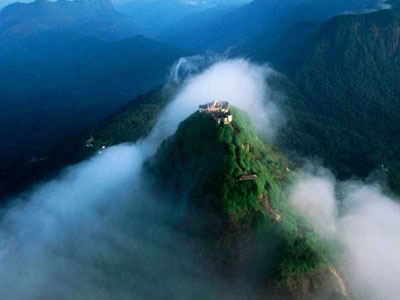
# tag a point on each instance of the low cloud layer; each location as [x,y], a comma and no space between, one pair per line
[313,193]
[96,232]
[367,227]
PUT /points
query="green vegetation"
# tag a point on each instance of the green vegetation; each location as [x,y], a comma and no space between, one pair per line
[202,163]
[343,92]
[134,121]
[217,156]
[302,250]
[131,123]
[341,79]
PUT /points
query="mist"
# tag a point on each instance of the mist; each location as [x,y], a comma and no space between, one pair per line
[204,3]
[96,232]
[364,221]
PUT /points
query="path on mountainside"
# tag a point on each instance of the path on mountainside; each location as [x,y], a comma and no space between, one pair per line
[340,280]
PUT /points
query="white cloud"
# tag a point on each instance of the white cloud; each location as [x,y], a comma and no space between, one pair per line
[367,228]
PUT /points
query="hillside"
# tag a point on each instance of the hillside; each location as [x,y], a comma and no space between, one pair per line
[37,29]
[152,17]
[128,124]
[394,3]
[28,19]
[344,102]
[158,16]
[280,51]
[260,17]
[66,94]
[194,31]
[229,186]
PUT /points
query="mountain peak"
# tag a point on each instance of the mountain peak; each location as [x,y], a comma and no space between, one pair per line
[233,166]
[70,18]
[230,185]
[60,8]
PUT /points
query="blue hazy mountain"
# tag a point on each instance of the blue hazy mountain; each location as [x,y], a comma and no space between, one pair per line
[44,101]
[153,18]
[259,17]
[196,28]
[36,28]
[65,65]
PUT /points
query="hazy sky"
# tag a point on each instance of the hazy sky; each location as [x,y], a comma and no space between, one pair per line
[6,2]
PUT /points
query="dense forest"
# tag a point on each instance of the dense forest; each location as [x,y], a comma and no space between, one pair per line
[344,96]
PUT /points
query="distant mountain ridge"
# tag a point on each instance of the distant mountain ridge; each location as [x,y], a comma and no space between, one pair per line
[31,18]
[32,27]
[152,17]
[261,17]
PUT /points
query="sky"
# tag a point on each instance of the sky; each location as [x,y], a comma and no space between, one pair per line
[4,3]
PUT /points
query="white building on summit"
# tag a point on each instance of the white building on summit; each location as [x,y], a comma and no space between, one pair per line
[215,107]
[219,110]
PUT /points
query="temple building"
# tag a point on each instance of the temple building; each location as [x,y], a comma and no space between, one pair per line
[219,110]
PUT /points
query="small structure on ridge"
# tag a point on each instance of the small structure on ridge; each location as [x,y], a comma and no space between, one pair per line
[219,110]
[248,177]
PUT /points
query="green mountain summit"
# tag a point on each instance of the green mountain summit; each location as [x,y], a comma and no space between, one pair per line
[218,163]
[230,184]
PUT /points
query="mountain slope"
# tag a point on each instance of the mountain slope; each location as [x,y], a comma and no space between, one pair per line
[219,155]
[152,17]
[155,18]
[193,31]
[280,51]
[40,100]
[127,125]
[262,17]
[228,185]
[25,27]
[345,104]
[28,19]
